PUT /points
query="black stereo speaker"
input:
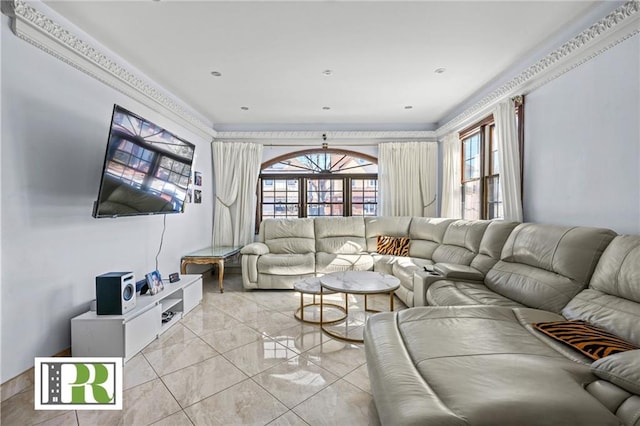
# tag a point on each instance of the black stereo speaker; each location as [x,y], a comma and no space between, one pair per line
[115,293]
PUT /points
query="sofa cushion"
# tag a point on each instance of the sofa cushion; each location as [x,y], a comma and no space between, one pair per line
[491,245]
[622,369]
[459,293]
[615,314]
[393,226]
[461,242]
[329,262]
[384,263]
[545,266]
[569,251]
[341,235]
[426,234]
[592,341]
[287,264]
[612,300]
[394,246]
[289,236]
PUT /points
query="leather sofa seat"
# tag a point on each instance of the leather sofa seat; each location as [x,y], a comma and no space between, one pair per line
[473,365]
[330,262]
[287,264]
[461,293]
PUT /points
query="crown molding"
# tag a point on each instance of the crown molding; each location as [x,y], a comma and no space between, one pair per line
[34,25]
[616,27]
[331,135]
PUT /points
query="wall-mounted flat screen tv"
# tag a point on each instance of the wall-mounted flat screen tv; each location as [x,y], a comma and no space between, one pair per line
[146,169]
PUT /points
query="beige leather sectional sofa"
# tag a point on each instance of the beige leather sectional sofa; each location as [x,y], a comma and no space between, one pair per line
[470,355]
[290,249]
[474,358]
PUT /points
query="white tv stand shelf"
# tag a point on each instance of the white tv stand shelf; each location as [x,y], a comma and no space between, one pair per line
[125,335]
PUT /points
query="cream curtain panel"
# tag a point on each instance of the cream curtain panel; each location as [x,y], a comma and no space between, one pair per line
[407,173]
[451,177]
[236,167]
[509,157]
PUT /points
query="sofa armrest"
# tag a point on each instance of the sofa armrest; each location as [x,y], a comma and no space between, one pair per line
[255,248]
[422,280]
[453,271]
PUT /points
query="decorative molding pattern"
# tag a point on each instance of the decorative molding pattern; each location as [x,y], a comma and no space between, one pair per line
[331,135]
[573,53]
[36,28]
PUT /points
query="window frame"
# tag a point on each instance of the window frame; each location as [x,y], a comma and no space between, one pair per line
[303,178]
[486,129]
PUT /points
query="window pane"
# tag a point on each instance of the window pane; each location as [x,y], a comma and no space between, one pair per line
[471,157]
[471,201]
[494,198]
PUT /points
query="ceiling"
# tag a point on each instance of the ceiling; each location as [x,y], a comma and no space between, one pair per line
[272,55]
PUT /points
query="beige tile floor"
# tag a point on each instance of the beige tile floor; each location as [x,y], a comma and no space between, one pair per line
[239,358]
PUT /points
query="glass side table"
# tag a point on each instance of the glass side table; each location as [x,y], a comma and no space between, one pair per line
[212,256]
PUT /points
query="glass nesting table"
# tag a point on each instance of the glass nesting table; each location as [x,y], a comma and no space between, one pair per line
[212,256]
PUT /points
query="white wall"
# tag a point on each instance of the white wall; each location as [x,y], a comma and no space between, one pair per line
[55,123]
[582,144]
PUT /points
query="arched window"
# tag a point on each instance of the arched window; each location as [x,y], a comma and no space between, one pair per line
[319,182]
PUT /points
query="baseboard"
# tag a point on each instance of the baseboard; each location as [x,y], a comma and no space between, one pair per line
[24,380]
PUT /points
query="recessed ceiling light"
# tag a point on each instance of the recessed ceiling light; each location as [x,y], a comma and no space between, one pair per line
[439,70]
[326,107]
[327,72]
[408,107]
[244,108]
[216,73]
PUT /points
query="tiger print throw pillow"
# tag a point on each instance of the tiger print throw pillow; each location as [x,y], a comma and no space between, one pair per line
[396,246]
[592,341]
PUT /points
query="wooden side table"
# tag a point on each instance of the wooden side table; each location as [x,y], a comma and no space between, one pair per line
[212,256]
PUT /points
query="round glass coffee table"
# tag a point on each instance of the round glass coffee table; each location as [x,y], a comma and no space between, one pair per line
[356,282]
[332,311]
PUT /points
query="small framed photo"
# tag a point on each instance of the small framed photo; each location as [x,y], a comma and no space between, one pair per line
[154,282]
[197,196]
[198,178]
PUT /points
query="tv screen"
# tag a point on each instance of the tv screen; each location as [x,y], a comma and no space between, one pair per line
[146,169]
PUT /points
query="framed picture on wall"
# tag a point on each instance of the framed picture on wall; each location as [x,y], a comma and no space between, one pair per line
[198,178]
[197,196]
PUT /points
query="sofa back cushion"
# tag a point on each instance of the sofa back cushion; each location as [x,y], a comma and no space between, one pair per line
[288,236]
[491,245]
[340,235]
[392,226]
[545,266]
[426,234]
[612,300]
[461,242]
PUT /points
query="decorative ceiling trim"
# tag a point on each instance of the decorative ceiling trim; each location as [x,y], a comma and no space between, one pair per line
[331,135]
[618,26]
[35,27]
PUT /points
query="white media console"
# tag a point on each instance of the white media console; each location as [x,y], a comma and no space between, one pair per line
[125,335]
